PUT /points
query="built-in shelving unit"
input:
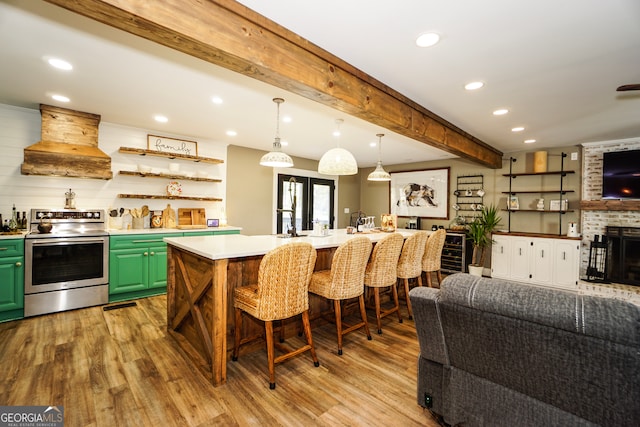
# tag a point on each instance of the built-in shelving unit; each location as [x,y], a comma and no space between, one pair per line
[560,191]
[145,152]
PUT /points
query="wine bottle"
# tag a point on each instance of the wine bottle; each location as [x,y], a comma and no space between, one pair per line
[360,223]
[13,225]
[25,221]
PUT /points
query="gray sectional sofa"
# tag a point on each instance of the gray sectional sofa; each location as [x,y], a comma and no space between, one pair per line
[499,353]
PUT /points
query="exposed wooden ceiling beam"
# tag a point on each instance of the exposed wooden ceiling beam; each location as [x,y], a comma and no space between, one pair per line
[232,36]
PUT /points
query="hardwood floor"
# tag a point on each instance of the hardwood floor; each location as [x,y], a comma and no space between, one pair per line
[120,367]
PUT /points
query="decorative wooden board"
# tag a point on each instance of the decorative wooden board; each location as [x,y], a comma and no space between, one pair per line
[191,217]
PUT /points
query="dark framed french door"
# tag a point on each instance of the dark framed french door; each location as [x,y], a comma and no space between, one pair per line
[314,201]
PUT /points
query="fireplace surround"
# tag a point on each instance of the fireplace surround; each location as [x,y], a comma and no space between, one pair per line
[623,255]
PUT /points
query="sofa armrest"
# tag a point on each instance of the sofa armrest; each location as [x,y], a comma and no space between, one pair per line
[426,312]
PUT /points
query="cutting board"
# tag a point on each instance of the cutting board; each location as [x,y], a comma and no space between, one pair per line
[192,217]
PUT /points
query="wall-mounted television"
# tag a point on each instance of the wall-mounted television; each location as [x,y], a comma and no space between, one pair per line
[621,175]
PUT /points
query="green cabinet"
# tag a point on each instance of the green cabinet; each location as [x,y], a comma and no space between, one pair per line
[137,266]
[11,279]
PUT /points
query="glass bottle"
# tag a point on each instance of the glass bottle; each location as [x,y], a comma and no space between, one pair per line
[25,221]
[13,224]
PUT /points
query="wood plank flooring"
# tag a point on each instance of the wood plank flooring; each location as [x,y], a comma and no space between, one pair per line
[121,368]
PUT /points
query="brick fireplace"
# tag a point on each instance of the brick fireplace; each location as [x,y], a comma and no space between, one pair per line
[597,214]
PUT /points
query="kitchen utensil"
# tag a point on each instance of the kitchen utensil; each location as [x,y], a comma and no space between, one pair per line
[121,211]
[113,213]
[145,210]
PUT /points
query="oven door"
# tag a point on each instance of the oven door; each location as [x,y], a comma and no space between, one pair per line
[59,263]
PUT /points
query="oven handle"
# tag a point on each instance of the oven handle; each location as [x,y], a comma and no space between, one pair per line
[65,240]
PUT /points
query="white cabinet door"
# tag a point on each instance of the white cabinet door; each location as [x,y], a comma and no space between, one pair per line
[500,257]
[566,268]
[519,264]
[542,261]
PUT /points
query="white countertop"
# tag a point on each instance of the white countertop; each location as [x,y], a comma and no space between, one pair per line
[239,245]
[13,236]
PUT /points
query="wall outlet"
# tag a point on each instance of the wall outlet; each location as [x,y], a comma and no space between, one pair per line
[574,156]
[346,210]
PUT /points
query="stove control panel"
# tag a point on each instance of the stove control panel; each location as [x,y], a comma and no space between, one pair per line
[64,215]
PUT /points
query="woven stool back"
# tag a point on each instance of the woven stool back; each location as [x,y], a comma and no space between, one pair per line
[410,262]
[347,268]
[382,269]
[283,281]
[433,251]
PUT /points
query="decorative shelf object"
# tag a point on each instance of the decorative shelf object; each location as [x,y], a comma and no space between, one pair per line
[467,197]
[152,196]
[168,176]
[145,152]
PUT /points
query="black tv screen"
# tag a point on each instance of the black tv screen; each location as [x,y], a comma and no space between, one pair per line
[621,175]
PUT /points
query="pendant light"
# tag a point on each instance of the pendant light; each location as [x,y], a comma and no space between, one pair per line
[379,174]
[338,161]
[276,158]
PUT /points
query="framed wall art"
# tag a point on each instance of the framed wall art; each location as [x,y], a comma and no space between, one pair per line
[423,193]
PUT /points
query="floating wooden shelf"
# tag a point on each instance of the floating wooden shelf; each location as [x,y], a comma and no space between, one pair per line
[610,205]
[151,196]
[144,152]
[514,175]
[536,210]
[168,176]
[540,192]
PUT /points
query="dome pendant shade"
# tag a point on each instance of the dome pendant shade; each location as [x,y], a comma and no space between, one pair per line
[276,158]
[379,174]
[338,161]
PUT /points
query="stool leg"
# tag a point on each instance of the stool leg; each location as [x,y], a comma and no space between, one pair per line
[307,332]
[268,329]
[376,299]
[363,314]
[394,291]
[338,312]
[429,279]
[439,274]
[406,295]
[238,330]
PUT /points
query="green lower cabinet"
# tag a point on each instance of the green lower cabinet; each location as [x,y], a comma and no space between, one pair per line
[11,279]
[137,266]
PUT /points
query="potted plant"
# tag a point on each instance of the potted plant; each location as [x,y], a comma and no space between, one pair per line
[479,235]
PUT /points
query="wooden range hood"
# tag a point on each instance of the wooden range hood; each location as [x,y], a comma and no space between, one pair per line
[68,146]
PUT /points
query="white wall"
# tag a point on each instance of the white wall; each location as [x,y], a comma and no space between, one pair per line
[20,128]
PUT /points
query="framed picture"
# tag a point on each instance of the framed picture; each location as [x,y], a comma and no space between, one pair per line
[513,204]
[172,145]
[389,222]
[423,193]
[213,222]
[555,205]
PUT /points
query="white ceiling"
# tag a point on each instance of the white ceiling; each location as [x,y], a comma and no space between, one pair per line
[554,65]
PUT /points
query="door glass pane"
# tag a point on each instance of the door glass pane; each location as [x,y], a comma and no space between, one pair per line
[292,191]
[321,203]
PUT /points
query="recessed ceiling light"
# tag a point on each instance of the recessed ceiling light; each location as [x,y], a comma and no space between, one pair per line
[161,119]
[287,119]
[473,85]
[500,112]
[60,98]
[529,141]
[336,133]
[232,133]
[373,144]
[284,143]
[216,100]
[517,129]
[60,64]
[427,39]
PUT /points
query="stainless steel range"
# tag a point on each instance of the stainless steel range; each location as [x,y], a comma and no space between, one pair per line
[67,267]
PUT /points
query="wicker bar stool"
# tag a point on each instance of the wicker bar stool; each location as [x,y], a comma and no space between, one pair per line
[410,263]
[345,281]
[282,292]
[432,254]
[381,272]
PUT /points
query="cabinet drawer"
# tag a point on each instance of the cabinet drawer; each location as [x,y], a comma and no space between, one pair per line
[138,240]
[11,247]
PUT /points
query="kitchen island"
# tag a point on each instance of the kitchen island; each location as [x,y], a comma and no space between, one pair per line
[202,273]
